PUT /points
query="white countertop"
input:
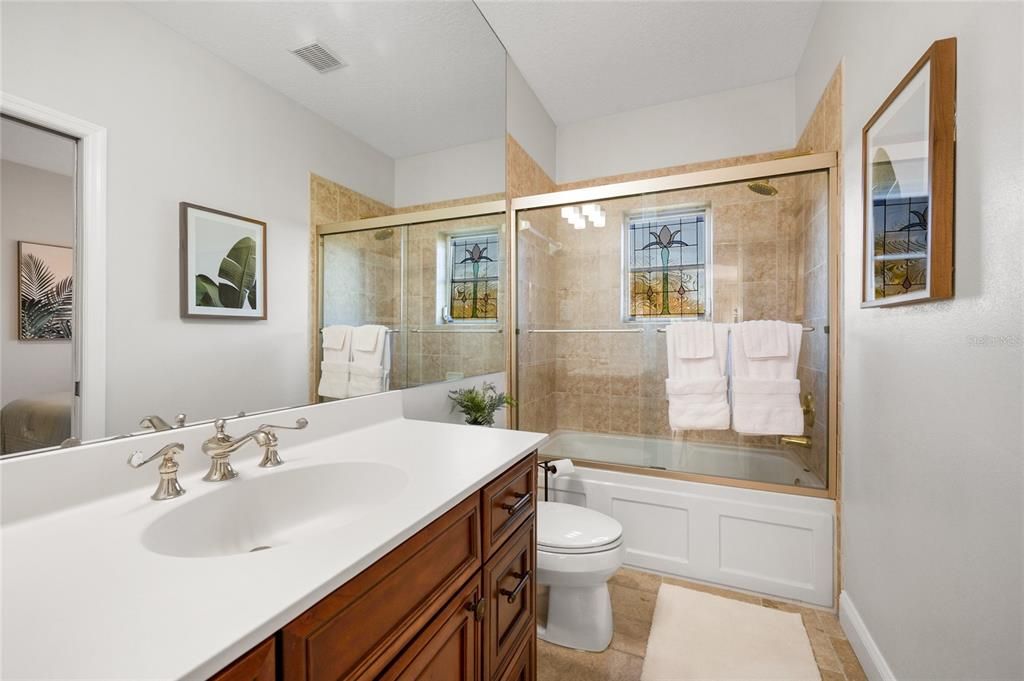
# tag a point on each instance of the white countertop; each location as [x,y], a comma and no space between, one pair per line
[83,599]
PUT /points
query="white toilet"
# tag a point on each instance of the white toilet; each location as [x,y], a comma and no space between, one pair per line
[578,550]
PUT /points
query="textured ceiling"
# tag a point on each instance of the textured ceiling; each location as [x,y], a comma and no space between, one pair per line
[591,59]
[421,76]
[24,144]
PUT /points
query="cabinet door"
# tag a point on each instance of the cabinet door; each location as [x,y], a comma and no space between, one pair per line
[523,666]
[449,648]
[510,593]
[356,631]
[256,665]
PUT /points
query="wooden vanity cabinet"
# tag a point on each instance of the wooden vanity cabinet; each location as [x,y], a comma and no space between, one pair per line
[455,602]
[259,664]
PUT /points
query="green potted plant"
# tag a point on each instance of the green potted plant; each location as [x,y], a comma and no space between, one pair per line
[479,404]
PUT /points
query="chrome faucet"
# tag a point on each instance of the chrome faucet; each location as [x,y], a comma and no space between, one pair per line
[221,446]
[156,423]
[168,487]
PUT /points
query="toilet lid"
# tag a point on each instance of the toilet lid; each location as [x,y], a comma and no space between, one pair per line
[564,526]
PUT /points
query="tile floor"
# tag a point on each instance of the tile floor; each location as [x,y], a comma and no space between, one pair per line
[633,594]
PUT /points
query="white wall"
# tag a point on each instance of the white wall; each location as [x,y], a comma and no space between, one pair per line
[748,120]
[454,173]
[529,122]
[184,125]
[932,393]
[38,206]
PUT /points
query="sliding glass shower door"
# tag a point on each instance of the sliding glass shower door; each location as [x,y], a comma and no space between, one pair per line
[600,279]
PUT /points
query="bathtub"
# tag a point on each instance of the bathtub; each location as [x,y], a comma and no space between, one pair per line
[726,461]
[767,542]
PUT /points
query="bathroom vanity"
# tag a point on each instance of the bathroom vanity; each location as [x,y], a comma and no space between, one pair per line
[386,548]
[455,601]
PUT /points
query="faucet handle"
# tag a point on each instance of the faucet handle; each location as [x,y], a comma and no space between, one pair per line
[299,425]
[168,487]
[168,452]
[271,458]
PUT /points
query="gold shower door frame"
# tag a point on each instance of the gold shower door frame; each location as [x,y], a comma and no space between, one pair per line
[792,165]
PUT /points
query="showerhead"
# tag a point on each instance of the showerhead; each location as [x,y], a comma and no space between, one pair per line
[762,187]
[383,234]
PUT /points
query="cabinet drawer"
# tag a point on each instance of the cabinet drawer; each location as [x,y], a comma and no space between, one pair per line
[357,630]
[256,665]
[508,501]
[509,589]
[523,666]
[449,648]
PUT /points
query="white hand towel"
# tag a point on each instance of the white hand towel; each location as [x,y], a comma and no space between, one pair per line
[696,387]
[337,343]
[334,379]
[765,339]
[765,390]
[694,340]
[365,338]
[371,360]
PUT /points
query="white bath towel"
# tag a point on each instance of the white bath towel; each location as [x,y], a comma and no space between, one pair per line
[765,390]
[696,386]
[371,360]
[334,379]
[337,343]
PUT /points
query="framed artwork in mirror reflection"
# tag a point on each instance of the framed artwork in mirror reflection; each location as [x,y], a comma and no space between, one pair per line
[45,291]
[223,264]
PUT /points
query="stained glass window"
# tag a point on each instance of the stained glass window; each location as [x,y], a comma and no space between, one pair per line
[474,266]
[901,245]
[666,265]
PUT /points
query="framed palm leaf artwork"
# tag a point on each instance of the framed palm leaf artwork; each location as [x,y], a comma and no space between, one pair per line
[223,264]
[45,291]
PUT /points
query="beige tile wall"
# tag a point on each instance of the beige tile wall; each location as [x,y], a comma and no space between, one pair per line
[822,133]
[536,286]
[614,383]
[432,356]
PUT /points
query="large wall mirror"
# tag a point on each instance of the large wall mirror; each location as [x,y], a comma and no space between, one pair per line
[307,114]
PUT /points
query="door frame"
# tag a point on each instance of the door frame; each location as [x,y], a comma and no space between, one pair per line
[89,343]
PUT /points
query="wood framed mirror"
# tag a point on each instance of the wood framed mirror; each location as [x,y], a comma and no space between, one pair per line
[909,159]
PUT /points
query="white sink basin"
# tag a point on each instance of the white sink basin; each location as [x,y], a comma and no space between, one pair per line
[275,509]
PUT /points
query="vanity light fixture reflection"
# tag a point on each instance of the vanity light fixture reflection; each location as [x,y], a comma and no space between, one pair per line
[578,216]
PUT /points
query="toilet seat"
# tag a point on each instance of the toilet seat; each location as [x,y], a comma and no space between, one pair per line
[568,529]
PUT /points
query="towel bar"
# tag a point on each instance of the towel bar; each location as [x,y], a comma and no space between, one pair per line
[386,330]
[454,330]
[806,329]
[584,331]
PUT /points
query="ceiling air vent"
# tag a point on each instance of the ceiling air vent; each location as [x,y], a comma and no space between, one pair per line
[319,57]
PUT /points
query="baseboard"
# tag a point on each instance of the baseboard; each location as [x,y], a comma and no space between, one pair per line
[875,666]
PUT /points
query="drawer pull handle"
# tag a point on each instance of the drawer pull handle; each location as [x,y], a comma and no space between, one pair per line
[523,578]
[478,608]
[524,501]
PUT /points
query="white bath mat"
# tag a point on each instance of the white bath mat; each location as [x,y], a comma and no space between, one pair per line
[698,636]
